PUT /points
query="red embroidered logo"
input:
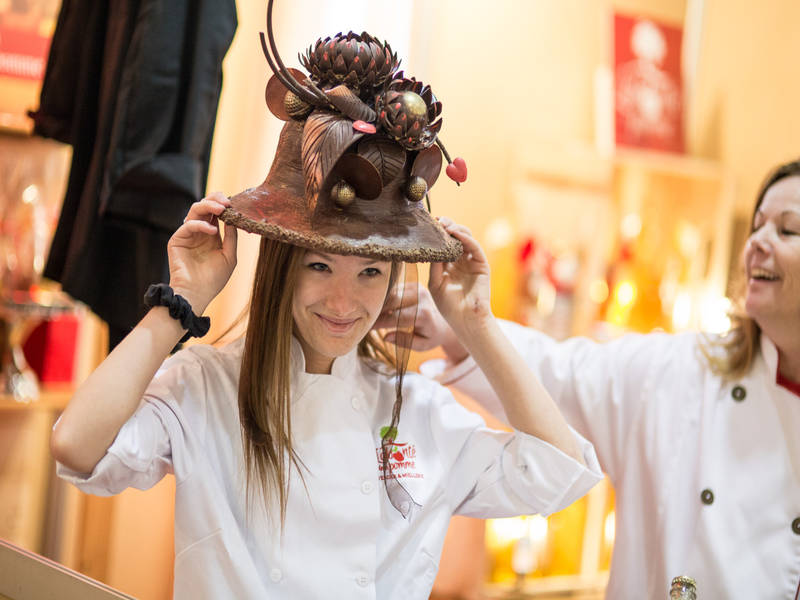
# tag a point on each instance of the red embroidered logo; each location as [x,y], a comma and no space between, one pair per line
[402,459]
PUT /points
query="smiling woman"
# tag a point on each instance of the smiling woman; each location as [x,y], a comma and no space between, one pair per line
[336,302]
[772,262]
[770,293]
[306,459]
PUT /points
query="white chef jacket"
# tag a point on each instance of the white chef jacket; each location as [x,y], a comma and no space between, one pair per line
[706,471]
[342,536]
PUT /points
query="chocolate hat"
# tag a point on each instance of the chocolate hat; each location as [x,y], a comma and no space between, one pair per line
[358,154]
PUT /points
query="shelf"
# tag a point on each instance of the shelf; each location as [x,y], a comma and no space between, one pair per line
[679,165]
[579,164]
[51,398]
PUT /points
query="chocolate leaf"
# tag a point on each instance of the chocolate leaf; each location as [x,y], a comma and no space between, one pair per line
[385,155]
[326,135]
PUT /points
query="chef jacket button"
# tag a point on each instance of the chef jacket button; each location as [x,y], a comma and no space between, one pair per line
[796,525]
[367,487]
[275,575]
[738,392]
[355,402]
[707,496]
[362,580]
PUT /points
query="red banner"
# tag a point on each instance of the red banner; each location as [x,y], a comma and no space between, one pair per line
[648,90]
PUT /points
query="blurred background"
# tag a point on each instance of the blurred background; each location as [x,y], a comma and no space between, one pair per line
[614,152]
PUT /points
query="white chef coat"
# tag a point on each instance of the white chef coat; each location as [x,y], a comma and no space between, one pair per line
[706,471]
[342,536]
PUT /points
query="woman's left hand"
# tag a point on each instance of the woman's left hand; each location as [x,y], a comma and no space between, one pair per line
[461,289]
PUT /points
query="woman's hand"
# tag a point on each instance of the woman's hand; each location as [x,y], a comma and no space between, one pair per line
[461,289]
[200,262]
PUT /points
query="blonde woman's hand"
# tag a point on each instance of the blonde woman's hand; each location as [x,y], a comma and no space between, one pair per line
[410,319]
[200,261]
[461,289]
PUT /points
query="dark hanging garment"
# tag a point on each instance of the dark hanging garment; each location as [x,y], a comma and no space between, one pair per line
[133,86]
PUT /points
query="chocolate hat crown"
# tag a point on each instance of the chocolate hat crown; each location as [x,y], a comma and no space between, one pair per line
[358,154]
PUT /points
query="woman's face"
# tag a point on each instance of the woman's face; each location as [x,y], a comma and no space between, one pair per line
[336,302]
[772,259]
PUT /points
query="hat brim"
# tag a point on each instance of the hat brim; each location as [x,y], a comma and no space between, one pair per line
[412,235]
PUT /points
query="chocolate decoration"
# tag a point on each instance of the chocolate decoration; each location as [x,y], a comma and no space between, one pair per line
[416,188]
[387,228]
[274,95]
[386,156]
[428,165]
[296,107]
[360,173]
[339,181]
[326,136]
[350,105]
[343,194]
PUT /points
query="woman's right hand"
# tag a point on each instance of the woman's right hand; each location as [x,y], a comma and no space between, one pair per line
[200,261]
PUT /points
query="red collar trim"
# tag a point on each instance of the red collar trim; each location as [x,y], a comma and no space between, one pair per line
[792,386]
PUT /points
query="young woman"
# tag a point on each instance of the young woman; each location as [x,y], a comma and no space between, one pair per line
[305,467]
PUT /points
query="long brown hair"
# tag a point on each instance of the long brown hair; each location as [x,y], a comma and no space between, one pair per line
[265,379]
[740,345]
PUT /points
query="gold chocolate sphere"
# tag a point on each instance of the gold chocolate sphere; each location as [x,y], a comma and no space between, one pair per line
[343,194]
[296,107]
[413,104]
[416,188]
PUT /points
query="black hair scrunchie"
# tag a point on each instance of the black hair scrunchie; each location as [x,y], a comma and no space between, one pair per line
[160,294]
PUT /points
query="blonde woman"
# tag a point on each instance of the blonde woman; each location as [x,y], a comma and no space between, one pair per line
[697,433]
[308,464]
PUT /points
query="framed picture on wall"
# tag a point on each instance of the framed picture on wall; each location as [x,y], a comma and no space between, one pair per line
[648,86]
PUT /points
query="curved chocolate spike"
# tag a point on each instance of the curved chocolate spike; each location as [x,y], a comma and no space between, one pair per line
[444,150]
[281,71]
[290,84]
[318,92]
[273,46]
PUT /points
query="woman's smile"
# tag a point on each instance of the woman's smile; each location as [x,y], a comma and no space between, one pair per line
[336,325]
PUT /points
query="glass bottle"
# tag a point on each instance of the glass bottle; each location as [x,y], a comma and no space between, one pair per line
[683,588]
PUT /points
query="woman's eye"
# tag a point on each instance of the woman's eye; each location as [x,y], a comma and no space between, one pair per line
[789,232]
[318,266]
[371,272]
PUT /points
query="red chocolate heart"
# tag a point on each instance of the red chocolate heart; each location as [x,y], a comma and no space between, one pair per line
[364,127]
[457,170]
